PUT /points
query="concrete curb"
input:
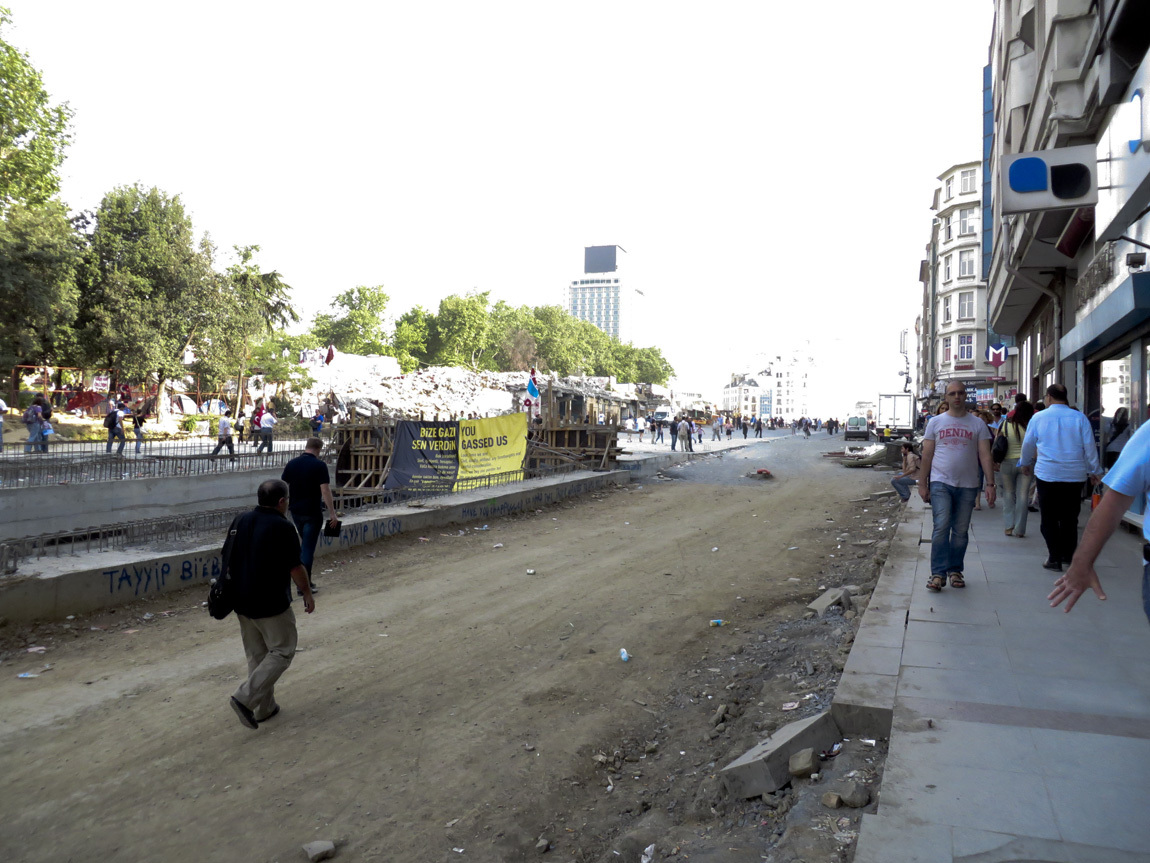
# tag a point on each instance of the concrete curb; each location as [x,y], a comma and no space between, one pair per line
[864,700]
[83,583]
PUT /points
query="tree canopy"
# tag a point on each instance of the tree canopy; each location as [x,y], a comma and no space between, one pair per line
[33,132]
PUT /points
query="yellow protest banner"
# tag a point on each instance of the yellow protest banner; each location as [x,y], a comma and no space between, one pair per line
[491,451]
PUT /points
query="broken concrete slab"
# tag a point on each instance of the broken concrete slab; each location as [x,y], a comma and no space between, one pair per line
[319,850]
[879,495]
[833,596]
[864,704]
[765,768]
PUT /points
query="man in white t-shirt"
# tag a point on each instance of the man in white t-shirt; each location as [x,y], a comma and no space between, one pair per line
[224,436]
[953,446]
[267,427]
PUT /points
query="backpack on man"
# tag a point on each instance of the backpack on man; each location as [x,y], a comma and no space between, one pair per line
[112,419]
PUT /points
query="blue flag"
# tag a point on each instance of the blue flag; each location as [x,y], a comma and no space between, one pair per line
[532,390]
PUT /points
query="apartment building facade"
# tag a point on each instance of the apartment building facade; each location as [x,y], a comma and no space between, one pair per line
[1070,283]
[953,338]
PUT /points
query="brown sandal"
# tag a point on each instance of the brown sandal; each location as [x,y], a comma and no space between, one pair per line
[956,580]
[936,583]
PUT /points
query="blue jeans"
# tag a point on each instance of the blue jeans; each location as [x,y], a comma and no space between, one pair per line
[951,508]
[35,442]
[309,527]
[116,434]
[902,485]
[139,439]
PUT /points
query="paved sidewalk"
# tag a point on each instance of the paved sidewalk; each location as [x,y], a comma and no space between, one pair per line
[1020,733]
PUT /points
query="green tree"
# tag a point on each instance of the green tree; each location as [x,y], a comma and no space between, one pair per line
[248,305]
[358,326]
[275,358]
[412,331]
[651,367]
[147,290]
[33,132]
[514,343]
[462,332]
[39,252]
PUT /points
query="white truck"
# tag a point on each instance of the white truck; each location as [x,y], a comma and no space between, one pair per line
[897,411]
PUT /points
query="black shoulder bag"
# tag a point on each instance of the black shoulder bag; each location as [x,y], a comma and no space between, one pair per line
[1000,446]
[221,601]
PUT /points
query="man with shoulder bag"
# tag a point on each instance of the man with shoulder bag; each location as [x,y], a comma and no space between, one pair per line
[261,561]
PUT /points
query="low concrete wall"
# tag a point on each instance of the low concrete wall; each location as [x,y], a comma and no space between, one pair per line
[74,585]
[51,509]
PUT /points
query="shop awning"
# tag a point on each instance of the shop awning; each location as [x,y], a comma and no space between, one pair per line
[1127,306]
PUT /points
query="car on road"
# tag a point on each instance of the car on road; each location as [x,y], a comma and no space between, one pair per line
[856,429]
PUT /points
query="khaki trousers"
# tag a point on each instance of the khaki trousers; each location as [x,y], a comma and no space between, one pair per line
[269,643]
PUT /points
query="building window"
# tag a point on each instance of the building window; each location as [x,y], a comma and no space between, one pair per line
[949,188]
[946,350]
[946,268]
[968,181]
[967,221]
[966,264]
[966,348]
[947,229]
[966,305]
[946,310]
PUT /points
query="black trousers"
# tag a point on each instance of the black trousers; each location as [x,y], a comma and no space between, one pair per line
[1059,504]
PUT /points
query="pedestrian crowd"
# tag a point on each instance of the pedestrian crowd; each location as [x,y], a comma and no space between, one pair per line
[1045,457]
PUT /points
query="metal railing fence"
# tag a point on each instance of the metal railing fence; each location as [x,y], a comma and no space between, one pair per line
[188,528]
[75,462]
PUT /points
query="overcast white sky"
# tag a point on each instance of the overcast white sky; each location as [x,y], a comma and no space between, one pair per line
[768,166]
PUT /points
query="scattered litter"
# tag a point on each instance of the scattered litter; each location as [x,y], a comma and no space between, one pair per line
[623,654]
[457,850]
[792,578]
[452,822]
[791,705]
[626,522]
[96,628]
[866,741]
[26,675]
[329,570]
[716,548]
[498,545]
[485,527]
[792,548]
[70,617]
[648,854]
[37,649]
[531,572]
[148,615]
[130,631]
[424,539]
[383,635]
[528,747]
[718,621]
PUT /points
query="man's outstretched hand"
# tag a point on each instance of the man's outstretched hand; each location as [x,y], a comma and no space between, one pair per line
[1073,583]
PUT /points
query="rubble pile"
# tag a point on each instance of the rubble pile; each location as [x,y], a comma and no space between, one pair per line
[374,385]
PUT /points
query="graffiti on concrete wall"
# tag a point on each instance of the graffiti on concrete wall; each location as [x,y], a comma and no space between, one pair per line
[142,578]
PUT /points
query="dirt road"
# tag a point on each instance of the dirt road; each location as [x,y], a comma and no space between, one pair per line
[444,698]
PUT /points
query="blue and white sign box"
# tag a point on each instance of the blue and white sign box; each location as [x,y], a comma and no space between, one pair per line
[1059,179]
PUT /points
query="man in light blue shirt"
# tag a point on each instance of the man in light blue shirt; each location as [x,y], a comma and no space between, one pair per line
[1127,480]
[1060,451]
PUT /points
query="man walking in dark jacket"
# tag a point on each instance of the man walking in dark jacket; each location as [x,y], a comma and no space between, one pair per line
[263,558]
